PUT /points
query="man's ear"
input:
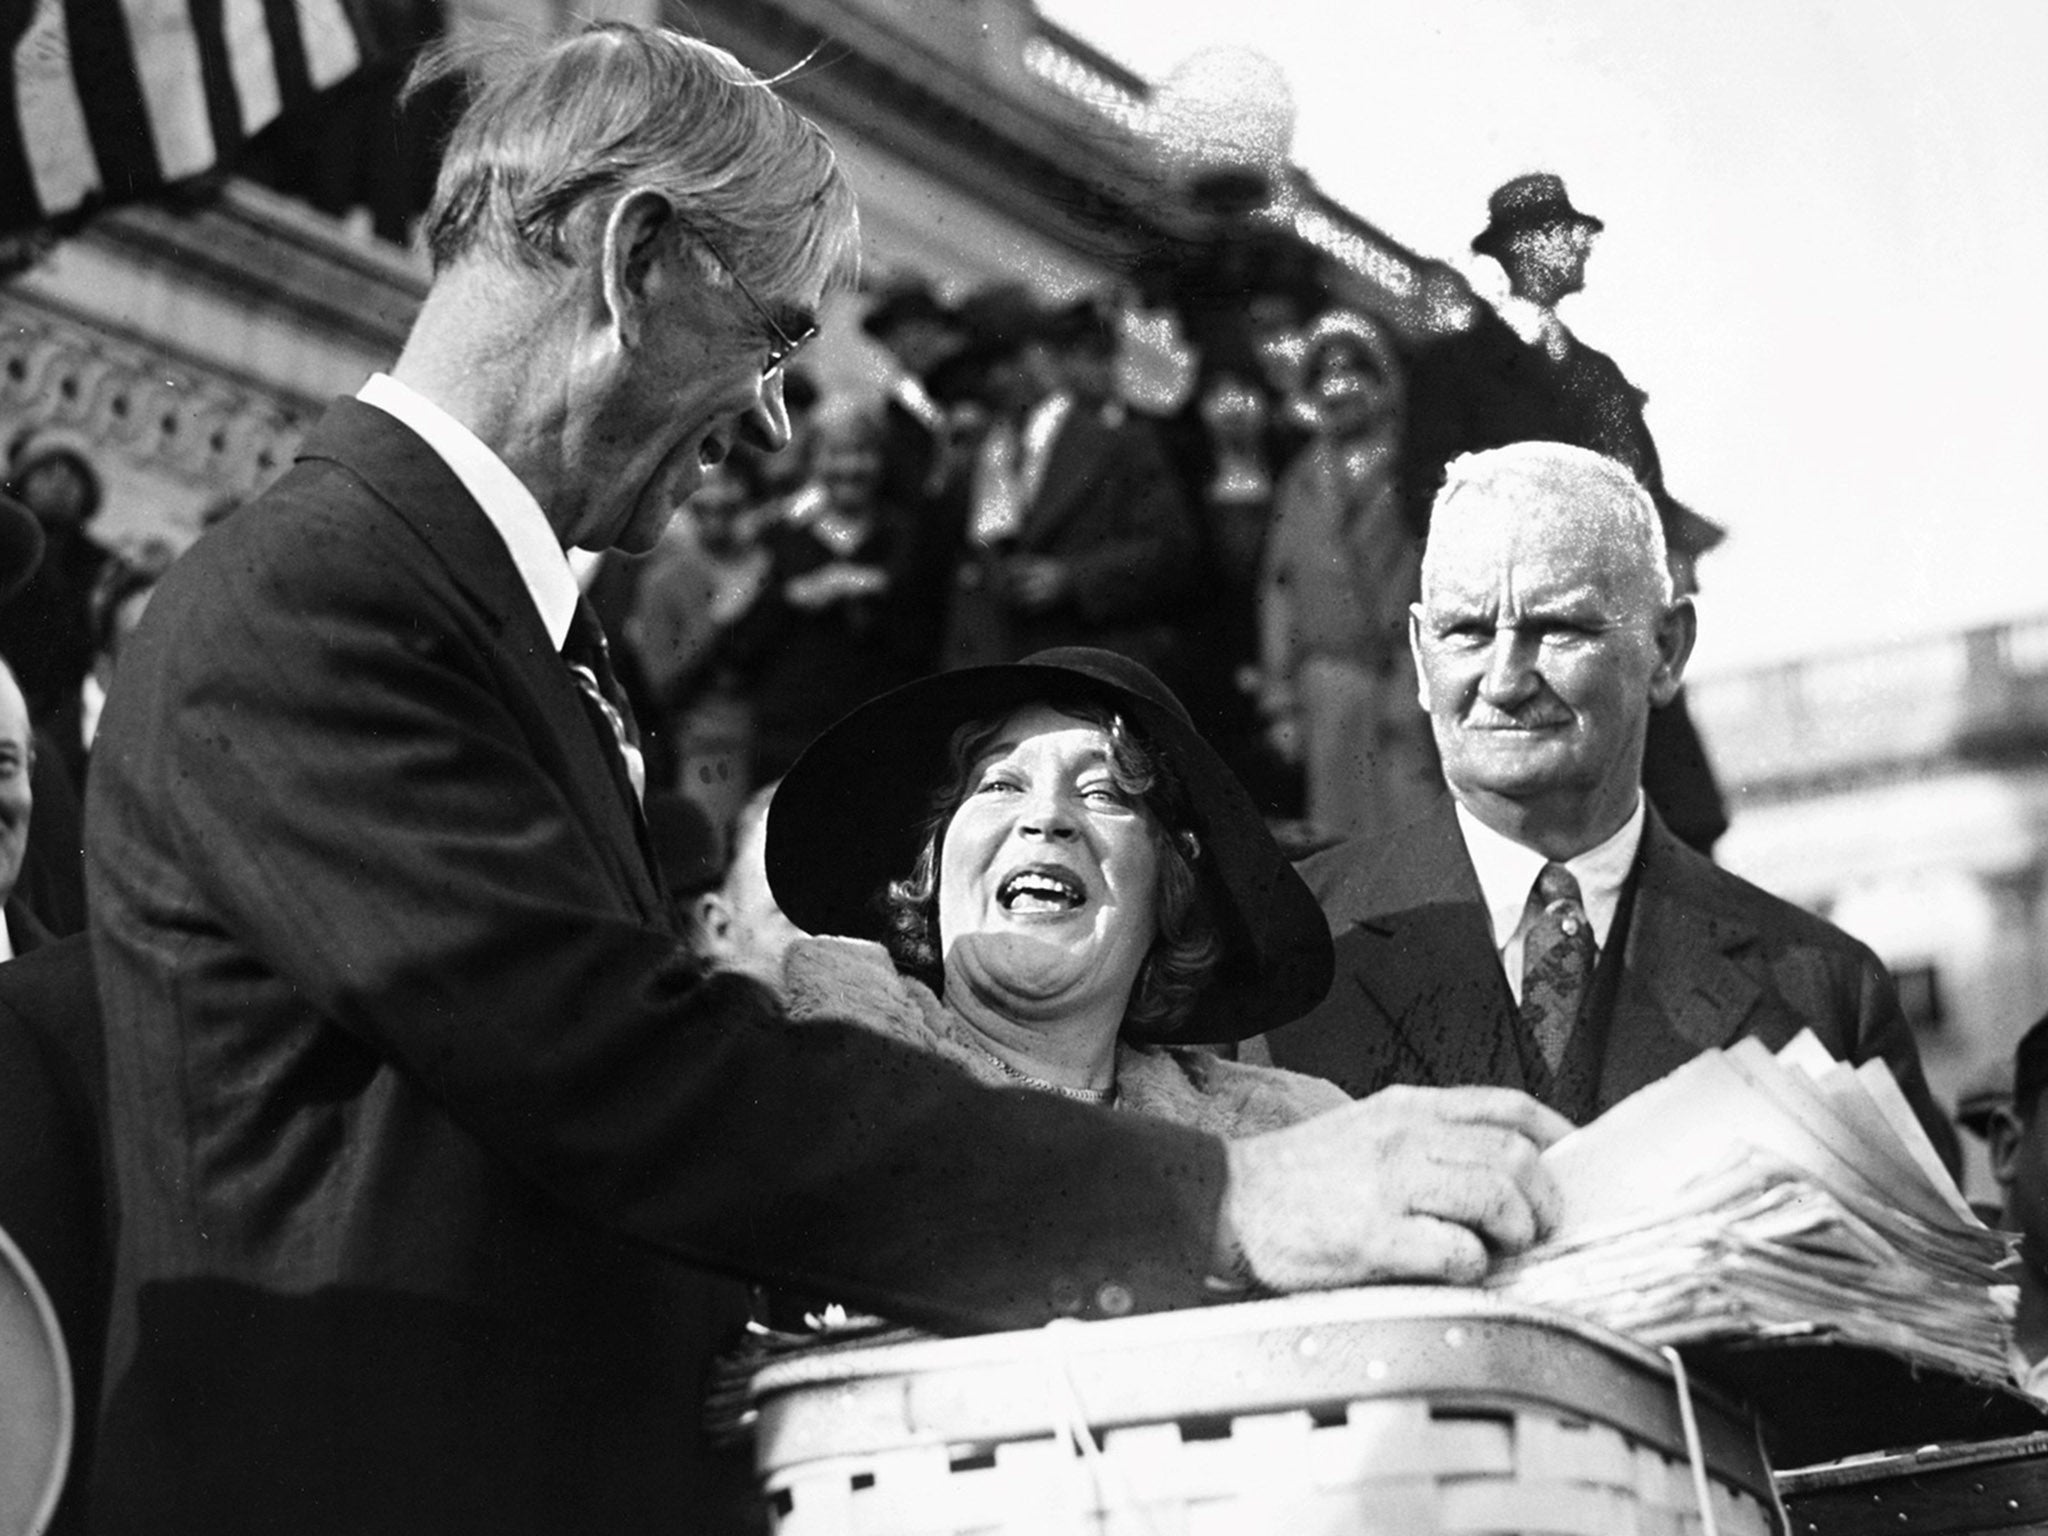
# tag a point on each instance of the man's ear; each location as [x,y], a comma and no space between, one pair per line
[1415,650]
[1676,631]
[715,926]
[2004,1133]
[635,234]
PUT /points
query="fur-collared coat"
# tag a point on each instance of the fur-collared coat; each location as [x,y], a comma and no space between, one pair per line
[854,979]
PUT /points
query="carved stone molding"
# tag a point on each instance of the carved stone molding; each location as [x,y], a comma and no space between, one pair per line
[142,406]
[168,440]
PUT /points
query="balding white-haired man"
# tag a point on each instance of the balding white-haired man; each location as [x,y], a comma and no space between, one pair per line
[1540,928]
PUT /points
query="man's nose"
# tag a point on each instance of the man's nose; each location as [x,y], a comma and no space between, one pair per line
[766,423]
[1510,666]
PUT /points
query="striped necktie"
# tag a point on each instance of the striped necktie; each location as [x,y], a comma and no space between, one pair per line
[1557,961]
[590,663]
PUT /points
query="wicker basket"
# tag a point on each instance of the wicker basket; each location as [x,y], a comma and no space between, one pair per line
[1398,1411]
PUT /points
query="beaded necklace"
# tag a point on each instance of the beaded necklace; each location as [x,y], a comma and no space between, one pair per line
[1103,1096]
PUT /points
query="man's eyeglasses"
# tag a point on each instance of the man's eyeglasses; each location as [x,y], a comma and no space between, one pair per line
[782,346]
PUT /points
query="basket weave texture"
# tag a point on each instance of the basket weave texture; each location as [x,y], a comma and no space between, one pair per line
[1482,1426]
[1389,1469]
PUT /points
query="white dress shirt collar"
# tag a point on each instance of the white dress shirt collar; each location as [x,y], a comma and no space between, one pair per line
[1507,871]
[528,536]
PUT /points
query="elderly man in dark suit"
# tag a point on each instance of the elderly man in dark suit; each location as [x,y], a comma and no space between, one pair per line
[434,1148]
[1541,928]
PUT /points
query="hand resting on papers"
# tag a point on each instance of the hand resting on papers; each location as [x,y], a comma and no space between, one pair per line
[1420,1184]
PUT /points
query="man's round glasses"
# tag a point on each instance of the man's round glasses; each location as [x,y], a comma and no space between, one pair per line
[781,345]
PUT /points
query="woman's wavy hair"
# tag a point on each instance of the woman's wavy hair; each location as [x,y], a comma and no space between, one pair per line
[1189,944]
[553,134]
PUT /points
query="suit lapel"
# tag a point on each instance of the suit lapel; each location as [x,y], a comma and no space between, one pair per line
[25,930]
[1071,468]
[414,481]
[1684,987]
[1417,971]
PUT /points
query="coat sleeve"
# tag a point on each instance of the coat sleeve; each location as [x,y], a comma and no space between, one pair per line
[326,802]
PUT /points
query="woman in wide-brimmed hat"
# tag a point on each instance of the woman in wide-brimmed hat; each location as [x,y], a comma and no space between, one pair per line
[1071,887]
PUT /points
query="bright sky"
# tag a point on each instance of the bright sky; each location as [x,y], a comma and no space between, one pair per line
[1824,224]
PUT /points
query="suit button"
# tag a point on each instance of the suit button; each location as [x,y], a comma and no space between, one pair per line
[1113,1300]
[1065,1295]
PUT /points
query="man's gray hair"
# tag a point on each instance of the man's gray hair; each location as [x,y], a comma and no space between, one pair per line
[1535,477]
[555,132]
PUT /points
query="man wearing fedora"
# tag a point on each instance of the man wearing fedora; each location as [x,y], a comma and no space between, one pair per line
[1517,373]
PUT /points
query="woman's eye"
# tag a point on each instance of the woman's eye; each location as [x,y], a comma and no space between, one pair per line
[995,784]
[1106,794]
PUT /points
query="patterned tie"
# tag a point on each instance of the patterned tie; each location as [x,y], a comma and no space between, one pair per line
[1557,960]
[590,663]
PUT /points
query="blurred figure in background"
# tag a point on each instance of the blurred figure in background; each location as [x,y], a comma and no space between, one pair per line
[718,884]
[48,883]
[44,630]
[1342,564]
[826,631]
[743,929]
[703,575]
[920,335]
[113,609]
[1078,532]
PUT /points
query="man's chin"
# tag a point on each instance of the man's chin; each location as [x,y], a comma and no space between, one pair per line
[644,530]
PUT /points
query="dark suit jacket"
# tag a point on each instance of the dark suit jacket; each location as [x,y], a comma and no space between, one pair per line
[1109,508]
[54,1199]
[432,1146]
[1707,958]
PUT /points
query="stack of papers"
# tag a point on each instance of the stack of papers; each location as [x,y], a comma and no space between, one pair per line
[1750,1197]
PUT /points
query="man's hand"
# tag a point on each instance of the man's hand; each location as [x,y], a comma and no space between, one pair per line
[1417,1184]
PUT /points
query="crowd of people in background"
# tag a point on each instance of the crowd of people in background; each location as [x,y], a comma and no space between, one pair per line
[445,1099]
[1254,540]
[1001,494]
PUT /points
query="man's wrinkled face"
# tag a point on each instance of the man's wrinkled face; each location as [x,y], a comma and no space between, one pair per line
[1541,643]
[693,382]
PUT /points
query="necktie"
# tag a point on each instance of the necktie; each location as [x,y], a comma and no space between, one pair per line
[590,663]
[1557,961]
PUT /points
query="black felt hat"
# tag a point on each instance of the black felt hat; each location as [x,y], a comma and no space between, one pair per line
[21,546]
[1534,201]
[848,819]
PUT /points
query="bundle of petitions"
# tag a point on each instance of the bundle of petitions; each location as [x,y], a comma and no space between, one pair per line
[1756,1197]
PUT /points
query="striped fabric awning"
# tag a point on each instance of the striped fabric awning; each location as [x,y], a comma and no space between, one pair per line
[107,100]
